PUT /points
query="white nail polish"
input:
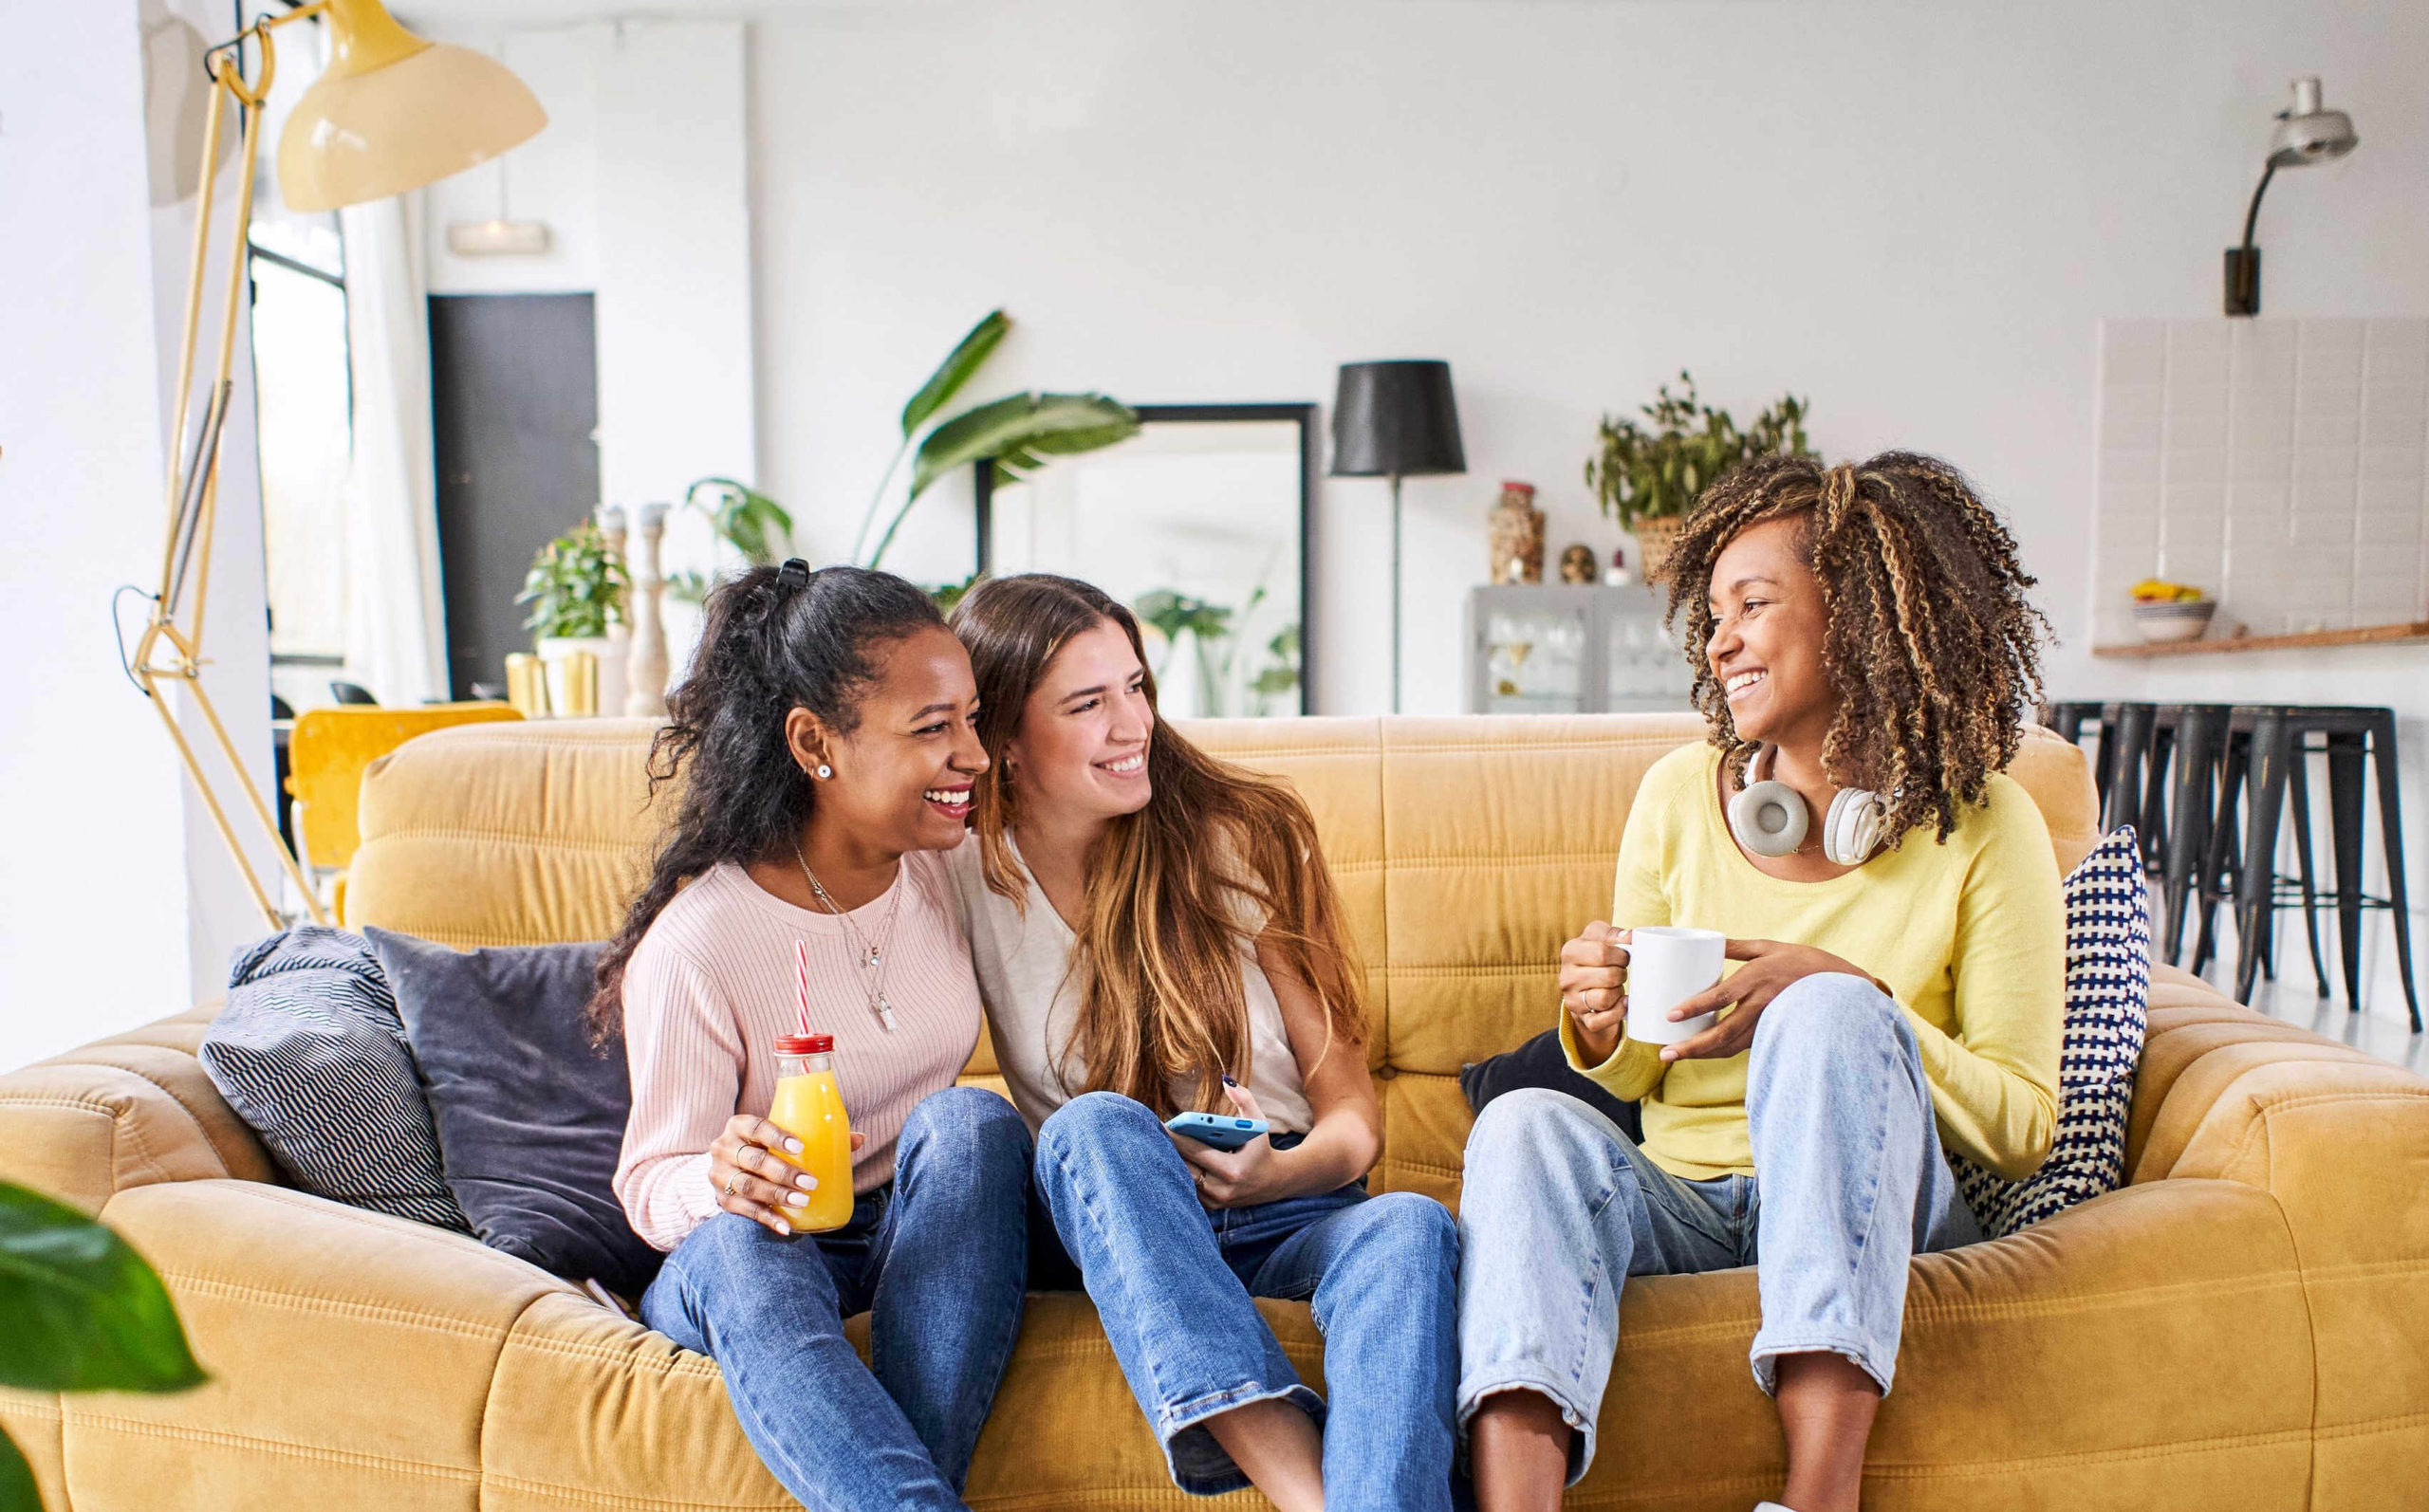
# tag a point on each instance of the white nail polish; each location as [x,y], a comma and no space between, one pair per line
[796,1199]
[805,1182]
[783,1229]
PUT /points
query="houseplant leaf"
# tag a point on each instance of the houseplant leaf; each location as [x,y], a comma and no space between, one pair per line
[79,1310]
[965,358]
[1058,424]
[743,517]
[17,1491]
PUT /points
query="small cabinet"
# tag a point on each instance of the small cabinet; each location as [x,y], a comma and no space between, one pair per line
[1571,649]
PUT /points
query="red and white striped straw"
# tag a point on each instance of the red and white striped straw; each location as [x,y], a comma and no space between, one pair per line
[801,961]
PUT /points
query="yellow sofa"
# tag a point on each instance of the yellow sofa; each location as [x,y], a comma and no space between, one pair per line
[2246,1325]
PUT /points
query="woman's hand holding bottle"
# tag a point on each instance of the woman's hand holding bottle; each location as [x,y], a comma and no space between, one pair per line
[747,1167]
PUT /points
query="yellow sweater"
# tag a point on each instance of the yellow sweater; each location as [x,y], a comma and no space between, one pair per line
[1970,936]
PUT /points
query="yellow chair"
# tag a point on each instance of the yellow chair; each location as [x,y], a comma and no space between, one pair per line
[325,759]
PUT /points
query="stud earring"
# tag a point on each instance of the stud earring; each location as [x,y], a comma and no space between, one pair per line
[825,771]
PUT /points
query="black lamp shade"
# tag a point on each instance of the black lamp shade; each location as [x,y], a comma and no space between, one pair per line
[1396,419]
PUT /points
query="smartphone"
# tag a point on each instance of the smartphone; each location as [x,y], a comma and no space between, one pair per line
[1222,1131]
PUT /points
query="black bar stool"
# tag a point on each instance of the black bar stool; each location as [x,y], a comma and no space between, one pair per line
[2129,766]
[2188,867]
[2278,745]
[2220,878]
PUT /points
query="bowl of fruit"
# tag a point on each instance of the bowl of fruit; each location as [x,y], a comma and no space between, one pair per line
[2171,611]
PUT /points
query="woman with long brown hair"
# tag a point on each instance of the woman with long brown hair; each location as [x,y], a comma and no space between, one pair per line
[1155,932]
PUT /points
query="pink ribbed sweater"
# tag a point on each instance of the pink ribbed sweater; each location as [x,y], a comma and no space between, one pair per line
[713,983]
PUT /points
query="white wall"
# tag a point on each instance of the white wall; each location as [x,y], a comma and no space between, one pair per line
[1915,216]
[117,903]
[642,178]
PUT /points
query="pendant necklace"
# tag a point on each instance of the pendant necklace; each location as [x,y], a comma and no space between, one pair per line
[869,958]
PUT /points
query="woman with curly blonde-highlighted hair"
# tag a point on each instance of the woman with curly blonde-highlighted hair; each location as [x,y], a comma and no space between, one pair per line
[1863,653]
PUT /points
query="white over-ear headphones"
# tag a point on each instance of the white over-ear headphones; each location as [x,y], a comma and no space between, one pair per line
[1769,817]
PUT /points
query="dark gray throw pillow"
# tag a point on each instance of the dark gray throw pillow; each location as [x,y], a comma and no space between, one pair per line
[308,1051]
[1541,1062]
[530,1116]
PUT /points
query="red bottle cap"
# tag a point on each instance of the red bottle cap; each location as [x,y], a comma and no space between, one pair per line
[805,1043]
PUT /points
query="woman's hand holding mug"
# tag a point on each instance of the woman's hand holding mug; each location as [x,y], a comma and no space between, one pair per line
[1769,966]
[1591,970]
[747,1167]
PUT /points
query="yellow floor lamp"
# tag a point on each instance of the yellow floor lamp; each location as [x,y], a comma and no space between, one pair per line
[390,113]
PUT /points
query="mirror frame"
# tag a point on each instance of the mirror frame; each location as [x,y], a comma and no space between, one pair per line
[1303,416]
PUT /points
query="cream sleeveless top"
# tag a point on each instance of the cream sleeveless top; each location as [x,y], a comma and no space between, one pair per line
[1023,960]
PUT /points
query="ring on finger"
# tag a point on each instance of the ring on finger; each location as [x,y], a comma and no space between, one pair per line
[731,1182]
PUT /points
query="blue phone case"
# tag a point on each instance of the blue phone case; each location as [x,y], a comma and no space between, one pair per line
[1222,1131]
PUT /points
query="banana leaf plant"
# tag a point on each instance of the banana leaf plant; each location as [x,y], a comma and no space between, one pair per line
[745,519]
[1018,432]
[78,1312]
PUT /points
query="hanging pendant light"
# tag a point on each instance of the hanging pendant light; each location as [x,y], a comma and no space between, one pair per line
[393,112]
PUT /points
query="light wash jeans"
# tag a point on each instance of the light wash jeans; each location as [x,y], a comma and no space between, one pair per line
[938,1257]
[1558,1208]
[1172,1282]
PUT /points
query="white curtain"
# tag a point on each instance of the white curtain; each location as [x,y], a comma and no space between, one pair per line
[396,642]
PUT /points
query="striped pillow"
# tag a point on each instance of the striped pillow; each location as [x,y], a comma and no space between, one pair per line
[2108,984]
[309,1051]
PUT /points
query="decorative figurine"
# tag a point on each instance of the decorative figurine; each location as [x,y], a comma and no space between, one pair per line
[1517,535]
[645,679]
[1577,565]
[1617,574]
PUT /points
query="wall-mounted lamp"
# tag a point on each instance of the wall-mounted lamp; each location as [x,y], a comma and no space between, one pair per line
[2306,134]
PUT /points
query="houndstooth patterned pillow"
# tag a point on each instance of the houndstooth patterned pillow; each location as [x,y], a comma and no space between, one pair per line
[2108,985]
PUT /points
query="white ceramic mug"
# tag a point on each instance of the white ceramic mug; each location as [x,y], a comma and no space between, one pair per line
[1666,967]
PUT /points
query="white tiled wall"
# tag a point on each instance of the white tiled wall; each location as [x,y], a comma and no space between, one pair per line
[2281,464]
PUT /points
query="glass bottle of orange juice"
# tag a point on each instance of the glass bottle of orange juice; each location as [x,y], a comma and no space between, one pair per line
[810,1106]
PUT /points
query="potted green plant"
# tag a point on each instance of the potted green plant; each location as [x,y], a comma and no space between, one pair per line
[78,1312]
[1648,475]
[577,589]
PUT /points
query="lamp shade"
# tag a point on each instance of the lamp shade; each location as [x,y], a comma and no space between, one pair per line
[393,112]
[2307,132]
[1396,419]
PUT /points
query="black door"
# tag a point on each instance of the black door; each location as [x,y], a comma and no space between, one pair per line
[514,398]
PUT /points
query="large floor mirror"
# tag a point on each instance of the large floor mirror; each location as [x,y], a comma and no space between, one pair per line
[1199,523]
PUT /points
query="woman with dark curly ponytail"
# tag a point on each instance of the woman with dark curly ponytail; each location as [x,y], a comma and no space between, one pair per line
[1863,651]
[826,748]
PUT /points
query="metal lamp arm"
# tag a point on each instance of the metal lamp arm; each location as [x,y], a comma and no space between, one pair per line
[167,652]
[2251,216]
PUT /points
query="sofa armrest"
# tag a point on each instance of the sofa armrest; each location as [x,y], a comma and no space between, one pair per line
[2340,1140]
[124,1111]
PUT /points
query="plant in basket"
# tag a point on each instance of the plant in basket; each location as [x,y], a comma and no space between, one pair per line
[1649,473]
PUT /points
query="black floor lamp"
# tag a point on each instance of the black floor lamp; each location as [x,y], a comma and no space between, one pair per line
[1396,421]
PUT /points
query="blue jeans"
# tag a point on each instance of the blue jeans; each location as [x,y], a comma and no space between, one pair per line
[1559,1207]
[937,1257]
[1172,1282]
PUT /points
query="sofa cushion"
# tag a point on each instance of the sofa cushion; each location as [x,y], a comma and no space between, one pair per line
[2108,979]
[530,1115]
[309,1051]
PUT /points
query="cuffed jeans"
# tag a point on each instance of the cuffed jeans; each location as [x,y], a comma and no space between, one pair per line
[1172,1282]
[1559,1207]
[937,1257]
